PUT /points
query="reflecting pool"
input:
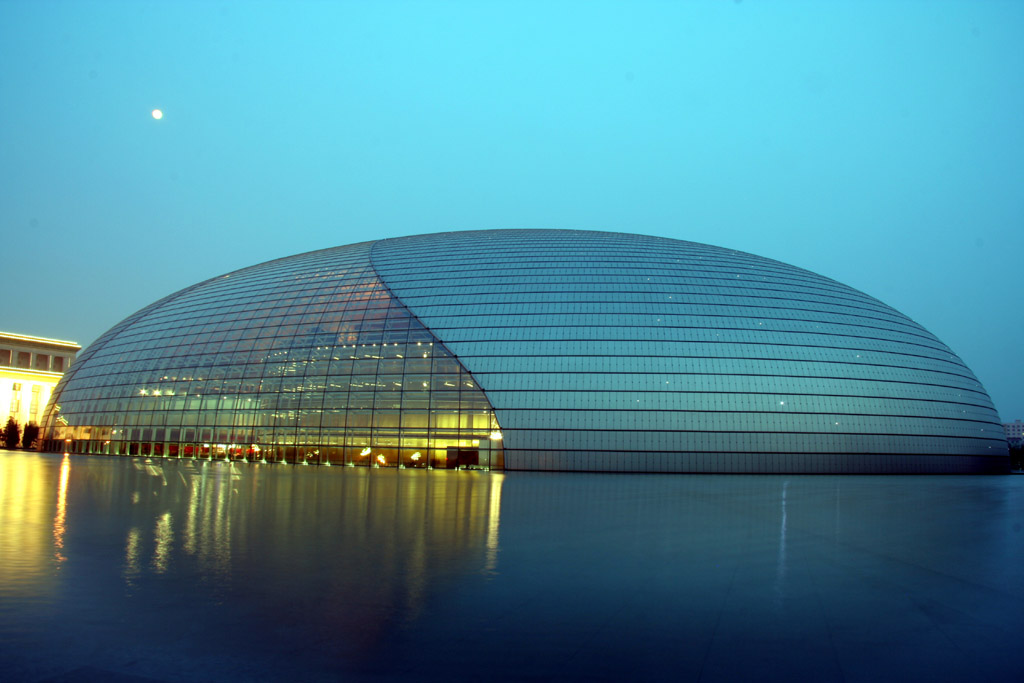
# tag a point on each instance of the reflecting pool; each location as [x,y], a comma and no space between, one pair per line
[131,569]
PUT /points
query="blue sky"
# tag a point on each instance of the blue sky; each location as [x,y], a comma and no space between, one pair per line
[877,143]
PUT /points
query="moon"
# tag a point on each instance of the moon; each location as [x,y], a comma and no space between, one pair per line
[157,114]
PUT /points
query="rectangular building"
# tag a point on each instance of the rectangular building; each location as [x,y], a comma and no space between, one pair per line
[1014,432]
[30,368]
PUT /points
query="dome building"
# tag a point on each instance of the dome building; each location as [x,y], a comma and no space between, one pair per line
[529,350]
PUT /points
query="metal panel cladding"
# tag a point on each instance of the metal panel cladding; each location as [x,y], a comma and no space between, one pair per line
[617,352]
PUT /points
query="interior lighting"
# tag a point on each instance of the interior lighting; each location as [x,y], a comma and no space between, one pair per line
[496,436]
[365,451]
[382,460]
[416,456]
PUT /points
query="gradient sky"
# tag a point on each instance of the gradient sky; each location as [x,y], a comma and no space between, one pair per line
[877,143]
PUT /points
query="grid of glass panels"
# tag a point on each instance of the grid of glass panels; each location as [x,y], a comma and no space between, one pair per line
[607,351]
[307,359]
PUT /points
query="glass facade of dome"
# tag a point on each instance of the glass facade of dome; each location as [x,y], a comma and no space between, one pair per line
[306,359]
[530,349]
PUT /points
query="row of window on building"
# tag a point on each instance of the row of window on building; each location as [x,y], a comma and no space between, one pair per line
[1014,432]
[30,368]
[32,361]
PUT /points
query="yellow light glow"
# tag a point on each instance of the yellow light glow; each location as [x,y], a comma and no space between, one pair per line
[58,519]
[157,114]
[416,456]
[365,451]
[496,436]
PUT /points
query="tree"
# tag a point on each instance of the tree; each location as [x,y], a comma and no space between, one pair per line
[1017,456]
[12,434]
[29,436]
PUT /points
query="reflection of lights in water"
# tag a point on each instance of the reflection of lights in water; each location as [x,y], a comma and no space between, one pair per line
[418,532]
[493,522]
[31,525]
[131,555]
[61,514]
[780,573]
[216,551]
[164,539]
[417,573]
[190,519]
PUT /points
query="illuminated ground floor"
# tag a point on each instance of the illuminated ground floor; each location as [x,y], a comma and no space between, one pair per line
[454,452]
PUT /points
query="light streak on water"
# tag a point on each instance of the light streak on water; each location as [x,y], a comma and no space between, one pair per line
[61,513]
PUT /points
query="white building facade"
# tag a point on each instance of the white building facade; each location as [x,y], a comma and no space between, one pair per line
[30,368]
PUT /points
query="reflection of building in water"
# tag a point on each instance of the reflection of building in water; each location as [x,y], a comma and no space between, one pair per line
[30,368]
[33,500]
[373,541]
[60,515]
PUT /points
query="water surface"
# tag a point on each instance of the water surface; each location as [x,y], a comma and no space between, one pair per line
[133,569]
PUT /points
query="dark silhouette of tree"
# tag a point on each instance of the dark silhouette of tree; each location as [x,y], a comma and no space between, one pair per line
[29,435]
[12,433]
[1017,457]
